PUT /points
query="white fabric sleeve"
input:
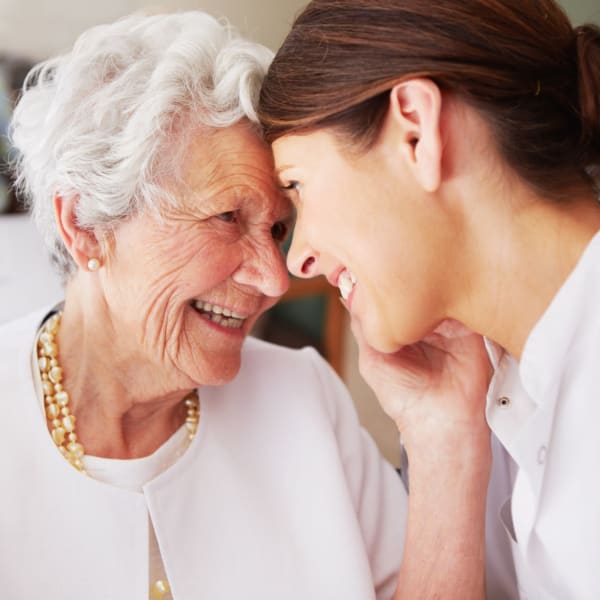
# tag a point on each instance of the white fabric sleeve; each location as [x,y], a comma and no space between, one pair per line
[378,494]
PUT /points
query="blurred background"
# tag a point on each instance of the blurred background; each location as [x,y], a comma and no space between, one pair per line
[31,30]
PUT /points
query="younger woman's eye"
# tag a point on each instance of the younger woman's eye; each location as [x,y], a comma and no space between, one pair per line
[292,185]
[229,216]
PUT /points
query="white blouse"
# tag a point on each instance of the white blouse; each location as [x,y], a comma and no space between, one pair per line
[544,499]
[280,494]
[131,474]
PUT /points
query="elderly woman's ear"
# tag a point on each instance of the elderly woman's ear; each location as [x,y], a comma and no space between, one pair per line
[82,244]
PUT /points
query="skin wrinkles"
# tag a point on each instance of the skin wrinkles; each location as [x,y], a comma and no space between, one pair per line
[160,346]
[172,341]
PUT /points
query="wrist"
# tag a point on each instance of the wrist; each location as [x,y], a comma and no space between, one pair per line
[463,452]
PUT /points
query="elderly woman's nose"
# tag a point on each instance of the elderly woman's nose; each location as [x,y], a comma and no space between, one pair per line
[276,279]
[265,270]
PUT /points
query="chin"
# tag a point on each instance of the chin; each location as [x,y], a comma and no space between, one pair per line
[385,346]
[218,370]
[377,336]
[391,334]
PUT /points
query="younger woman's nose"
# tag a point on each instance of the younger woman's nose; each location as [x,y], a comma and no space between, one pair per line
[302,260]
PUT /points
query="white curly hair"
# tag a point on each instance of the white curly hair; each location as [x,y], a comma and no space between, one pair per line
[107,122]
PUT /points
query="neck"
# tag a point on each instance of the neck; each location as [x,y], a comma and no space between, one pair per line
[515,248]
[518,261]
[122,408]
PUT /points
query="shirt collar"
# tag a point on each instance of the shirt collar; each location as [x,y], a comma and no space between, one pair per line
[495,352]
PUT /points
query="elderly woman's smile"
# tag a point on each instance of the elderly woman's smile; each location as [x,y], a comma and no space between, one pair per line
[218,314]
[211,263]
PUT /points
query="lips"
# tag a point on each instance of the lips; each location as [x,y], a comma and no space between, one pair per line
[219,314]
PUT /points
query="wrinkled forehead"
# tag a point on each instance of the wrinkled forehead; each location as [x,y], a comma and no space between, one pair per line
[231,161]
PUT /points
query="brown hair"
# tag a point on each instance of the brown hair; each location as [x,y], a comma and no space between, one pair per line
[519,62]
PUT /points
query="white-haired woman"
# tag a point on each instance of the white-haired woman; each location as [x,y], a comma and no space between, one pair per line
[149,449]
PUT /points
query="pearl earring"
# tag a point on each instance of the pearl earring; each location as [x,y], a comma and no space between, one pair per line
[93,264]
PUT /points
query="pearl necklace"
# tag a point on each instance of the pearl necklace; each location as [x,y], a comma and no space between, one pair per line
[62,422]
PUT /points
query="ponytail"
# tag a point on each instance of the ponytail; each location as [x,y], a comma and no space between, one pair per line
[588,57]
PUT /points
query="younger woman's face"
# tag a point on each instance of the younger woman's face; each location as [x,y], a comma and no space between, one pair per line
[364,222]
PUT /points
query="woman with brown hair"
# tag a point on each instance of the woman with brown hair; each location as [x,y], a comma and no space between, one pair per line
[443,160]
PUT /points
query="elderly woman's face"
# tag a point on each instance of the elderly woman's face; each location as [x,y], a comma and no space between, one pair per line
[189,289]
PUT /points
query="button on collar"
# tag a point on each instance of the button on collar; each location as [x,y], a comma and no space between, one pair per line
[503,402]
[541,457]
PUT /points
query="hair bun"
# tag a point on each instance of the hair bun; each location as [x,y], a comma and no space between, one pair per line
[587,39]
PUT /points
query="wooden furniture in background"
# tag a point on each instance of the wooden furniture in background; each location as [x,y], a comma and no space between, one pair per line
[333,319]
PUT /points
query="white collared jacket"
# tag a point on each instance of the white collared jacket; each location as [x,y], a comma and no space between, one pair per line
[544,498]
[281,495]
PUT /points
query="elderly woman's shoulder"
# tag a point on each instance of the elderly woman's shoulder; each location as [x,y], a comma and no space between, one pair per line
[17,342]
[296,376]
[21,331]
[260,353]
[281,384]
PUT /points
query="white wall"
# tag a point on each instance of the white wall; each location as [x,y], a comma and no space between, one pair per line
[583,11]
[39,28]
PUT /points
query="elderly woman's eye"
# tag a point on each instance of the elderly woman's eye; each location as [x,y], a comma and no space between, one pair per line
[279,231]
[229,216]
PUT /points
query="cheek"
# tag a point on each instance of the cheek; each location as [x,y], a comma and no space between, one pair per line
[156,284]
[350,216]
[203,269]
[402,309]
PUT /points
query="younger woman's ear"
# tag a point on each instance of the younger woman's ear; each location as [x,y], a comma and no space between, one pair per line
[414,120]
[81,243]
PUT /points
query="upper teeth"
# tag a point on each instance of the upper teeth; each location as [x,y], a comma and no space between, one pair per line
[346,282]
[218,310]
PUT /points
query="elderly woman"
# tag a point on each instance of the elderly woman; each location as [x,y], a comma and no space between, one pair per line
[150,449]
